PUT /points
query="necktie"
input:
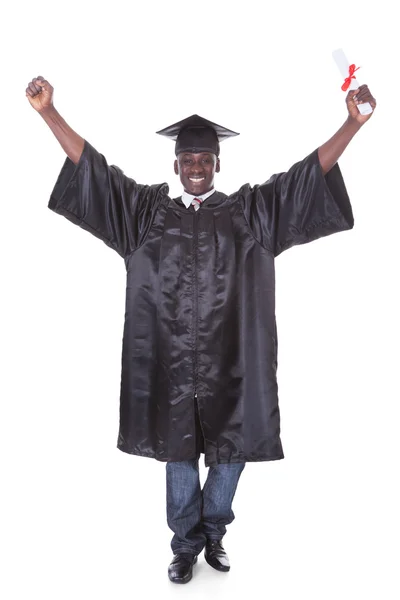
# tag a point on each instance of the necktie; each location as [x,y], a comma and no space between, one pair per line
[196,203]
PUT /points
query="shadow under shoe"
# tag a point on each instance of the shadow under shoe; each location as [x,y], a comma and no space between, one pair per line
[181,568]
[216,556]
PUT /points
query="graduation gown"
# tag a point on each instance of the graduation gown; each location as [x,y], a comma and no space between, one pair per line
[199,351]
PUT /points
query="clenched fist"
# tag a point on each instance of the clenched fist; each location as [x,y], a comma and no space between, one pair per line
[39,93]
[359,96]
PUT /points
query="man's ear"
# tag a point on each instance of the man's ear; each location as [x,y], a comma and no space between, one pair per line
[217,166]
[176,167]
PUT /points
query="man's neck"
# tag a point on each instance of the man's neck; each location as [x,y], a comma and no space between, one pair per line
[188,198]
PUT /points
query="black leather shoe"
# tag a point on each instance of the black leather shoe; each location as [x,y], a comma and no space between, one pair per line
[181,568]
[216,556]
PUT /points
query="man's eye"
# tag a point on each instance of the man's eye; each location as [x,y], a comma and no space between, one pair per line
[187,161]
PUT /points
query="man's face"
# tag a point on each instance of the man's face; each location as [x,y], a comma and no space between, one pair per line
[196,171]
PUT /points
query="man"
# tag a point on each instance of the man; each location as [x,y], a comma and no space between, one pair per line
[199,355]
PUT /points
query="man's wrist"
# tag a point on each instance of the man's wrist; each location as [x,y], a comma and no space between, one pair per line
[352,124]
[48,111]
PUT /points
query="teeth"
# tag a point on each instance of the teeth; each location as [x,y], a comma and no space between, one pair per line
[196,178]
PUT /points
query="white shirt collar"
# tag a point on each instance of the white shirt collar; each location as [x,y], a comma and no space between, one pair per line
[188,198]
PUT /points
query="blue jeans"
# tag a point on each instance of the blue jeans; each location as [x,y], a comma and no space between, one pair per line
[195,515]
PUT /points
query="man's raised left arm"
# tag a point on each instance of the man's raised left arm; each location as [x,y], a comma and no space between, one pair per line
[330,152]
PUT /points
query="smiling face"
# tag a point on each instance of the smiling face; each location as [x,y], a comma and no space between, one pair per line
[196,171]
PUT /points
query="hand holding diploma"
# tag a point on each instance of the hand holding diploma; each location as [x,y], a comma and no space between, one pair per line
[357,97]
[360,105]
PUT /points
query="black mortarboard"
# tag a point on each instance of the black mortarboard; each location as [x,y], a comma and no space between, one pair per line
[196,134]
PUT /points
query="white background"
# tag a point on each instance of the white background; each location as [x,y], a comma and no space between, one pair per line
[82,520]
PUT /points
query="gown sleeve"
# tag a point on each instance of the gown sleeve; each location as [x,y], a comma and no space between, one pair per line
[298,206]
[102,200]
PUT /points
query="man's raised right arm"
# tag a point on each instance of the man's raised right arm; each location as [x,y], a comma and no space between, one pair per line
[40,95]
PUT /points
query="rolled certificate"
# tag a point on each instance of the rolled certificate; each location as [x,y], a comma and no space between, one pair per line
[348,74]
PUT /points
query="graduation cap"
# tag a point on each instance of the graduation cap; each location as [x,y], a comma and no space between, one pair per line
[196,134]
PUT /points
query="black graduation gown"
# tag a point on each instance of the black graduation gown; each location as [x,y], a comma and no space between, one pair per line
[199,355]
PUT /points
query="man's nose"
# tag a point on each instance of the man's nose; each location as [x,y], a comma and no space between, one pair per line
[197,168]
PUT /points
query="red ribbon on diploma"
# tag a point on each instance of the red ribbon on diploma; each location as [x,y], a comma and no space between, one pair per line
[347,81]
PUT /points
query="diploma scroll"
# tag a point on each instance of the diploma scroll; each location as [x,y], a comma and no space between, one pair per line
[344,68]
